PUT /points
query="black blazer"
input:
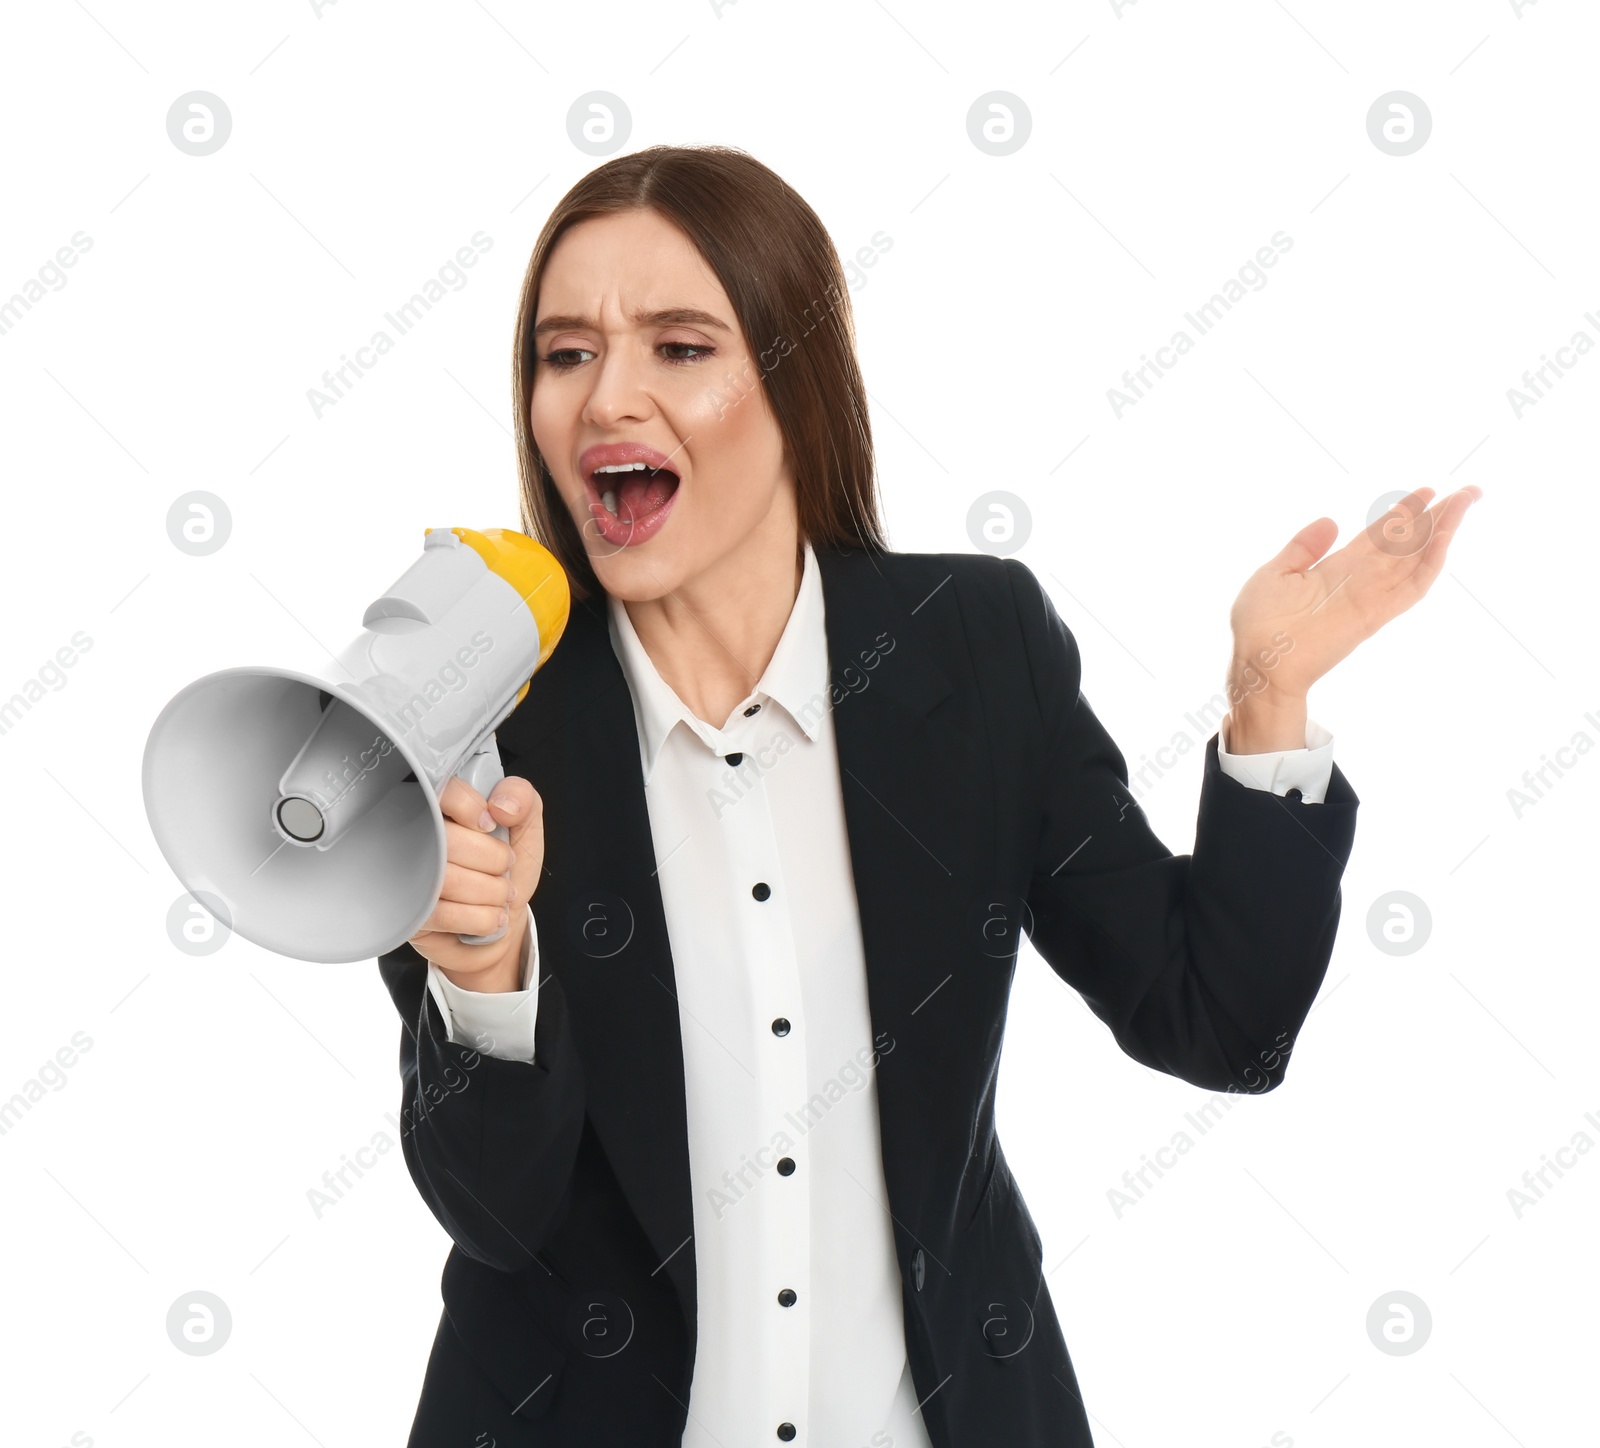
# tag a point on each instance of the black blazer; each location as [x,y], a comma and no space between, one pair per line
[981,794]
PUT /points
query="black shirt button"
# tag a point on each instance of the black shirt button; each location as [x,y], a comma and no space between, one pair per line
[918,1269]
[761,890]
[735,759]
[786,1431]
[786,1298]
[786,1166]
[751,710]
[780,1027]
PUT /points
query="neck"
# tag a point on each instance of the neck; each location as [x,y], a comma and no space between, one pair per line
[711,638]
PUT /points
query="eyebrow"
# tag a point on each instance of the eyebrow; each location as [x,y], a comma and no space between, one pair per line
[667,317]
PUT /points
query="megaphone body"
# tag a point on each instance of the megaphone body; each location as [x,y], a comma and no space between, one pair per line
[301,809]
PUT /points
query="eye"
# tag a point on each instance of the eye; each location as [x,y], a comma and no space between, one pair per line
[557,359]
[696,347]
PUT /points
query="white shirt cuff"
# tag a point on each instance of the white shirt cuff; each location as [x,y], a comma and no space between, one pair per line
[497,1023]
[1309,770]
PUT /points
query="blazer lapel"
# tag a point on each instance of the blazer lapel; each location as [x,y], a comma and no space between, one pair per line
[865,617]
[919,812]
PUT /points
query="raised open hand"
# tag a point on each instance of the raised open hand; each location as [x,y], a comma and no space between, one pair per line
[1293,621]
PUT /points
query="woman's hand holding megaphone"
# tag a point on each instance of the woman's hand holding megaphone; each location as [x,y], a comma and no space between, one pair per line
[487,884]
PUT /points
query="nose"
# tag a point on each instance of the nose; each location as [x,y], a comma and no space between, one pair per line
[617,393]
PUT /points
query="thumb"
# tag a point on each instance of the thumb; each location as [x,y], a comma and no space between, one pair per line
[515,803]
[1308,545]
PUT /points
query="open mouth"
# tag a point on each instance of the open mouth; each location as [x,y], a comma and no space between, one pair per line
[624,496]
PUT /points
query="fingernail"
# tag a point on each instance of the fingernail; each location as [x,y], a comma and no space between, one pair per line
[486,821]
[506,802]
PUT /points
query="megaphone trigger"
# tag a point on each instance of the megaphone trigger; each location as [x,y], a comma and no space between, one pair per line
[483,771]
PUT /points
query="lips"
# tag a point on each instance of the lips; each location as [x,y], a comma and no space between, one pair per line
[643,487]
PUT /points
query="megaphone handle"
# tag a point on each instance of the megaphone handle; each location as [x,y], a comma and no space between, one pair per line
[483,771]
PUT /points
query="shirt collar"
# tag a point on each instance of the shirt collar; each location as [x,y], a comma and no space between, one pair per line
[796,677]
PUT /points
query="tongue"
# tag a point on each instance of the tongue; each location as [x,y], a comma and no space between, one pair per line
[643,492]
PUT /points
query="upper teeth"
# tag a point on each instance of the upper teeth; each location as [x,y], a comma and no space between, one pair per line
[609,495]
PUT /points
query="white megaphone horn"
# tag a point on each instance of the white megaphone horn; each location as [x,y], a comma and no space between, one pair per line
[302,811]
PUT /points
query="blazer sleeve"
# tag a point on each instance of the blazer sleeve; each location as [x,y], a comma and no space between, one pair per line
[1204,965]
[490,1143]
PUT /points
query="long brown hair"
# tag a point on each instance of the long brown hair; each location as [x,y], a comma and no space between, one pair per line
[776,262]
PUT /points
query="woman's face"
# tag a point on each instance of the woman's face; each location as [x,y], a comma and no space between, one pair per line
[640,360]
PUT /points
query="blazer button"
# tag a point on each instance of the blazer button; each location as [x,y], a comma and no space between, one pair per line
[786,1166]
[787,1297]
[918,1269]
[780,1027]
[786,1431]
[735,759]
[761,890]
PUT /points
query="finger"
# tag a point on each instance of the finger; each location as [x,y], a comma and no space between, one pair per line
[454,918]
[515,803]
[1410,506]
[1405,528]
[1308,545]
[473,887]
[473,850]
[1431,559]
[518,804]
[1448,512]
[460,802]
[1458,502]
[445,949]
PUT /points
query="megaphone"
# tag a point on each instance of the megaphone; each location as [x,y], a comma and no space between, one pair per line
[302,810]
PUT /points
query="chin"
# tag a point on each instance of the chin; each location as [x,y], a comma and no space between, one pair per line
[639,574]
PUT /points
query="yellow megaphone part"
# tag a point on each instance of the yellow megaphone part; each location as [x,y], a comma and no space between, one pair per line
[533,570]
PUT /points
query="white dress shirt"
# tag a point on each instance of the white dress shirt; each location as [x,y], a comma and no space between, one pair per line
[759,899]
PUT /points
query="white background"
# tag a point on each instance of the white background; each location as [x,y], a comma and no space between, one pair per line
[1168,143]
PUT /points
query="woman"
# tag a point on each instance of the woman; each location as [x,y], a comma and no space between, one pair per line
[712,1126]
